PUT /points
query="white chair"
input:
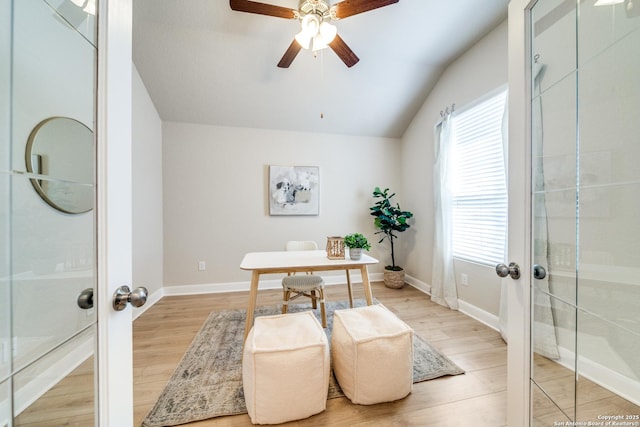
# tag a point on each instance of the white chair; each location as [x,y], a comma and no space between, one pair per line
[309,285]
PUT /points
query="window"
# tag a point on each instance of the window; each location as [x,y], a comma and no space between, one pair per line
[479,190]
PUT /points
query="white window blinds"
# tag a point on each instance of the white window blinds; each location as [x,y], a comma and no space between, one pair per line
[479,191]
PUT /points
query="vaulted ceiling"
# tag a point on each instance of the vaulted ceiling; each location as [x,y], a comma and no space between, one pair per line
[205,63]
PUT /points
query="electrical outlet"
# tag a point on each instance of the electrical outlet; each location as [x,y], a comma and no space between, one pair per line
[202,266]
[464,279]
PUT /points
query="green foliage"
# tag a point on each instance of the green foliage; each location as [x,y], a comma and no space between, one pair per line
[356,240]
[389,219]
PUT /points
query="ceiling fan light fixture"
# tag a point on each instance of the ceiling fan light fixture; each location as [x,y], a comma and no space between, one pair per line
[328,32]
[310,24]
[318,43]
[303,39]
[315,34]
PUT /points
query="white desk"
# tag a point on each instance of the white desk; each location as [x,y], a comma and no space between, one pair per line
[300,261]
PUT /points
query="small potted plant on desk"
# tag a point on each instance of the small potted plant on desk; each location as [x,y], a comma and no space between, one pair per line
[390,219]
[356,242]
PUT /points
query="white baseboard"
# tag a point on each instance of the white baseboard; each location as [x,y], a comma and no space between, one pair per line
[216,288]
[419,285]
[484,317]
[464,307]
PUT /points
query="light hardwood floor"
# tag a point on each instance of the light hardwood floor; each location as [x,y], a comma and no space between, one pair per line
[478,397]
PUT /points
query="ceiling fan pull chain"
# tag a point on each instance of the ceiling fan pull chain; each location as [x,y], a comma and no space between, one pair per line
[321,79]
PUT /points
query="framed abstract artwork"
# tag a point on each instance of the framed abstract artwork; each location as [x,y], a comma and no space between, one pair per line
[294,190]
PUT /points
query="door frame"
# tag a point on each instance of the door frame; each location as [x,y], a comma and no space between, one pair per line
[114,217]
[519,242]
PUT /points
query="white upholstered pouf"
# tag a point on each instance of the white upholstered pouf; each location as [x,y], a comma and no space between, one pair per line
[372,353]
[285,368]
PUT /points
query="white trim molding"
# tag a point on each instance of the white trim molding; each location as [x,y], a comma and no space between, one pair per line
[490,320]
[216,288]
[419,285]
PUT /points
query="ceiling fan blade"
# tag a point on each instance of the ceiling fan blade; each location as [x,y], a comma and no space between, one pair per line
[262,9]
[353,7]
[290,54]
[344,52]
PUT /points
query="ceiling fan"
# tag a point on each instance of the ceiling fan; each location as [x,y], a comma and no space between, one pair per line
[316,30]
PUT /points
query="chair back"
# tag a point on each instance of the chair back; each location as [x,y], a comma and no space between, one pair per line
[301,245]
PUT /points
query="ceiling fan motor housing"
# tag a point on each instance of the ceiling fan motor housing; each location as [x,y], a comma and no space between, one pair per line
[320,8]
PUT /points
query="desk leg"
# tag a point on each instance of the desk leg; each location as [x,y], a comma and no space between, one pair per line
[366,285]
[349,288]
[253,295]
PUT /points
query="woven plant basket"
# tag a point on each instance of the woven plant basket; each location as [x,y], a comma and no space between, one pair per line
[394,279]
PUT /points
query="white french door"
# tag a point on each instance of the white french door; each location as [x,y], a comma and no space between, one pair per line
[574,97]
[519,242]
[61,256]
[114,219]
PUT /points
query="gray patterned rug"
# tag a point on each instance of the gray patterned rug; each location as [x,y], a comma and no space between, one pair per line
[208,380]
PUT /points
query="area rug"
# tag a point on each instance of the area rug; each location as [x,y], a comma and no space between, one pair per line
[208,380]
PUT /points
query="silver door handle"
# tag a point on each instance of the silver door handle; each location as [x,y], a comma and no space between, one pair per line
[512,270]
[85,299]
[124,295]
[539,272]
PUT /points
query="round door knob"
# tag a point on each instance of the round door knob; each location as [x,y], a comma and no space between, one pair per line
[512,270]
[502,270]
[85,299]
[124,295]
[539,272]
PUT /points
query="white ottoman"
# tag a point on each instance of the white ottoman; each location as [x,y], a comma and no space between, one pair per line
[372,353]
[285,368]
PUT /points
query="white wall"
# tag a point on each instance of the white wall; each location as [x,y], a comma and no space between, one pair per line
[215,195]
[147,190]
[480,70]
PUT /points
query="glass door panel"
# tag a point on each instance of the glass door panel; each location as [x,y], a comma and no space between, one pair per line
[585,192]
[602,26]
[608,288]
[547,412]
[52,221]
[5,208]
[553,23]
[553,360]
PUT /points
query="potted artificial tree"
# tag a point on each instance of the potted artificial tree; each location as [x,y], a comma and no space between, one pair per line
[356,242]
[390,220]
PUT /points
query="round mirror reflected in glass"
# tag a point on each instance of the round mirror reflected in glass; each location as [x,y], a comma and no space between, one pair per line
[60,153]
